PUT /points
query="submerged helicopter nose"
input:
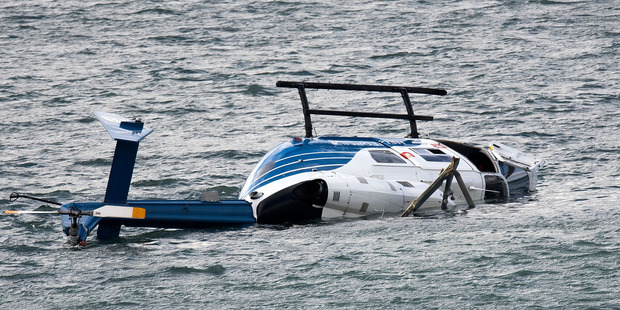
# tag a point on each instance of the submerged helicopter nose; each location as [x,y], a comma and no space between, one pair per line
[311,191]
[299,202]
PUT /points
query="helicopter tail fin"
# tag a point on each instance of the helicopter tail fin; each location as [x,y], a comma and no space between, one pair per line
[128,135]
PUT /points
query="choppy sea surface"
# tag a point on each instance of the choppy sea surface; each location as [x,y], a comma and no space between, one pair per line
[541,76]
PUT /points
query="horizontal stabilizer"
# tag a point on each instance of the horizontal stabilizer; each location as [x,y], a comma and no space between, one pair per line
[121,128]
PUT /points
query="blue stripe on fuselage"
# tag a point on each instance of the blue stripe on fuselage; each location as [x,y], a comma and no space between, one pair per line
[311,154]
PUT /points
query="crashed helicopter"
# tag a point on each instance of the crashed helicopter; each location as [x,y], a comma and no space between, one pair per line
[315,178]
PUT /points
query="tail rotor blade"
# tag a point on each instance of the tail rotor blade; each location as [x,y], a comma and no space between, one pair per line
[124,212]
[120,212]
[30,212]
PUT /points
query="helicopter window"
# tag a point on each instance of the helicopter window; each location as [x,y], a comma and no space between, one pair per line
[386,157]
[433,155]
[405,183]
[267,166]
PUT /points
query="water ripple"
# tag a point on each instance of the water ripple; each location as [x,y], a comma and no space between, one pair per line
[541,76]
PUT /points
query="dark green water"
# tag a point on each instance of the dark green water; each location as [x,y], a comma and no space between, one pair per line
[541,76]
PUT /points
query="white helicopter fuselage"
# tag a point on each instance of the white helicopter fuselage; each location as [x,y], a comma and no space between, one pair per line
[335,177]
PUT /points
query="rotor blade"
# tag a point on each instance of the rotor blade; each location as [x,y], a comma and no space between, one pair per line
[120,212]
[30,212]
[105,211]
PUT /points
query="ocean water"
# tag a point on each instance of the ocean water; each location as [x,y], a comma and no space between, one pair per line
[541,76]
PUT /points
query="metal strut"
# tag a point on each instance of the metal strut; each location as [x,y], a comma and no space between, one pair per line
[14,196]
[446,174]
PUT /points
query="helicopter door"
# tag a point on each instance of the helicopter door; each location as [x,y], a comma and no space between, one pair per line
[496,187]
